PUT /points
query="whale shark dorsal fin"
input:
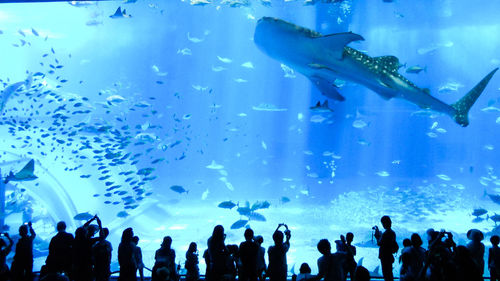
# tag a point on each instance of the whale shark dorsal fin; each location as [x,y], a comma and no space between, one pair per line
[325,104]
[337,41]
[118,12]
[390,62]
[318,104]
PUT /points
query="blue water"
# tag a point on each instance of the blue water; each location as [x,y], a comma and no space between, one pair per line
[195,91]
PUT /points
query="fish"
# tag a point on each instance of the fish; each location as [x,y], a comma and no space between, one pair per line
[321,108]
[416,69]
[479,212]
[122,214]
[268,107]
[260,205]
[495,198]
[254,216]
[247,64]
[179,189]
[224,60]
[284,199]
[226,205]
[495,218]
[304,52]
[214,166]
[83,216]
[443,177]
[25,174]
[239,224]
[194,39]
[119,13]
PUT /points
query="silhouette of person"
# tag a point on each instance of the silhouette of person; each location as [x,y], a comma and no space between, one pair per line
[60,256]
[261,261]
[232,263]
[494,258]
[4,251]
[165,258]
[387,247]
[418,255]
[82,250]
[476,248]
[277,269]
[248,252]
[465,268]
[101,252]
[344,245]
[304,273]
[361,274]
[138,257]
[191,265]
[218,254]
[405,273]
[126,257]
[330,266]
[206,257]
[351,252]
[22,265]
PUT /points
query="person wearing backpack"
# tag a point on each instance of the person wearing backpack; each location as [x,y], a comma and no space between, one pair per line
[387,247]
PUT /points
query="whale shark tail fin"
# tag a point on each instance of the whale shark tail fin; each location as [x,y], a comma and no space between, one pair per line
[463,105]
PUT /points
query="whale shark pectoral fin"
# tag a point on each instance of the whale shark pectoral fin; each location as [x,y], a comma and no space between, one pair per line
[390,62]
[326,88]
[337,41]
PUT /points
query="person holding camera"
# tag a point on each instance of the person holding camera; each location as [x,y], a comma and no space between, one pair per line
[22,265]
[387,247]
[277,269]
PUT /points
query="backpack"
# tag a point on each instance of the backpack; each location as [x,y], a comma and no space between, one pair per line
[395,247]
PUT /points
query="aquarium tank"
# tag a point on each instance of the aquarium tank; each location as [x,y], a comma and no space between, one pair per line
[174,116]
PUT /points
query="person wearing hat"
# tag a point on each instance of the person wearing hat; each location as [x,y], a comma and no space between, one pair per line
[476,248]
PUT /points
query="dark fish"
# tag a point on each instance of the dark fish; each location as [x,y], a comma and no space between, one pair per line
[254,216]
[83,216]
[85,176]
[284,199]
[34,32]
[179,189]
[122,214]
[226,205]
[239,224]
[479,212]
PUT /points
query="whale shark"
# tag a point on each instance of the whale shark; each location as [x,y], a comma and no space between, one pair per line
[324,58]
[25,174]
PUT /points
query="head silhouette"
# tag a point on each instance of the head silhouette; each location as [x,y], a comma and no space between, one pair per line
[278,237]
[61,226]
[304,268]
[193,247]
[248,234]
[127,235]
[386,222]
[324,246]
[495,240]
[23,230]
[167,242]
[416,241]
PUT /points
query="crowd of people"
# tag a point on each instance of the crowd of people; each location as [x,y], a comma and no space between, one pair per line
[87,256]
